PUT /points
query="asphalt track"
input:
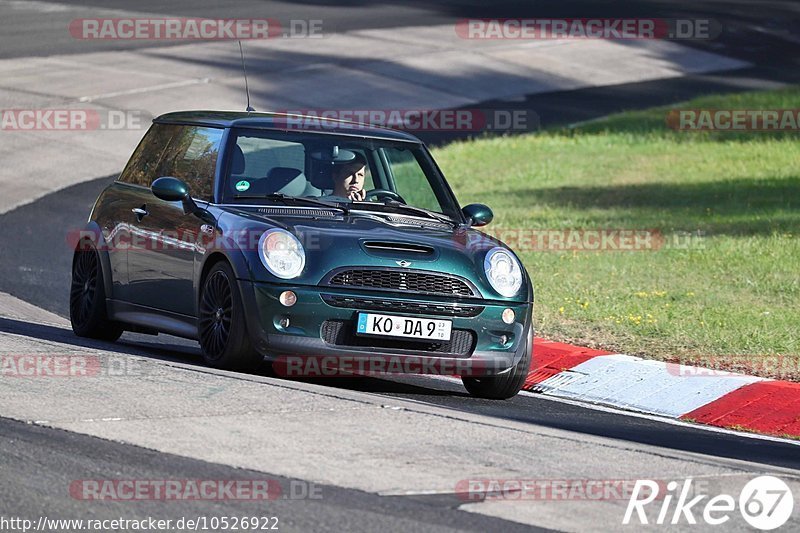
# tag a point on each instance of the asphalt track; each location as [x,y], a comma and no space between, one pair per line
[34,267]
[759,30]
[46,458]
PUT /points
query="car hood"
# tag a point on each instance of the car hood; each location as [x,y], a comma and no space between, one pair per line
[365,240]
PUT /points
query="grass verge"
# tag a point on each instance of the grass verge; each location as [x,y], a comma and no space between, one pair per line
[723,290]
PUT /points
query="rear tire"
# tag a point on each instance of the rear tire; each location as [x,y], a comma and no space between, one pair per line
[87,297]
[221,322]
[503,386]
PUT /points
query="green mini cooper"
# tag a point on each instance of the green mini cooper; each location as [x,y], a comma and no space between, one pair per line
[266,236]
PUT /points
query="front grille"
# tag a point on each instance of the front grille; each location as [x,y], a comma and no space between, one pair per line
[403,306]
[402,281]
[341,333]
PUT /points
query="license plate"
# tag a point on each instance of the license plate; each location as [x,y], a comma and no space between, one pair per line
[403,326]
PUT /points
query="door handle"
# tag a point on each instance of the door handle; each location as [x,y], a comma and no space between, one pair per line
[140,212]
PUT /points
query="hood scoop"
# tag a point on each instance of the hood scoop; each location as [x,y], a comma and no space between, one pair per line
[396,220]
[296,212]
[405,250]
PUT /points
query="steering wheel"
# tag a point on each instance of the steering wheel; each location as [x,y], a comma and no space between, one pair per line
[382,194]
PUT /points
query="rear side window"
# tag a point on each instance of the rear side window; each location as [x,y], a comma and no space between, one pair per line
[143,164]
[192,157]
[188,153]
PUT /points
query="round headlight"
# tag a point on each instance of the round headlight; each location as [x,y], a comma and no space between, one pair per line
[503,271]
[282,253]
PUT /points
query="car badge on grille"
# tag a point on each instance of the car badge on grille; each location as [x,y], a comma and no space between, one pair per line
[403,263]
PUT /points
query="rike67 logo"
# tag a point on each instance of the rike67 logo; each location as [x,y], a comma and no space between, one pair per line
[765,503]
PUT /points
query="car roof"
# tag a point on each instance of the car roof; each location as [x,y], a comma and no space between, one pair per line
[278,121]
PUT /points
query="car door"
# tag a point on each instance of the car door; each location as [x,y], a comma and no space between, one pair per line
[129,193]
[164,238]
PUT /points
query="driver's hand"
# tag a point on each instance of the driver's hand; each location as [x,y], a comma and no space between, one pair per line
[358,196]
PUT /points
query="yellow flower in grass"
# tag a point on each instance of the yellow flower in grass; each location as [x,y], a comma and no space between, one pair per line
[645,294]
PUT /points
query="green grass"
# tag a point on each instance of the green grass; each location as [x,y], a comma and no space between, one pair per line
[734,295]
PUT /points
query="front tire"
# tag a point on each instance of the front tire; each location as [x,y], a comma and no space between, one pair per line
[221,322]
[503,386]
[87,297]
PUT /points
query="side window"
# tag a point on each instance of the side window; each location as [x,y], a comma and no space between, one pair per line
[188,153]
[192,157]
[143,164]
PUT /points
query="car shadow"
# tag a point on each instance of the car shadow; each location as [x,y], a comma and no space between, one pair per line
[382,385]
[176,350]
[530,410]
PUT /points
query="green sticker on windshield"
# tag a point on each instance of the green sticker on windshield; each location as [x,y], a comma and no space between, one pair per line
[242,186]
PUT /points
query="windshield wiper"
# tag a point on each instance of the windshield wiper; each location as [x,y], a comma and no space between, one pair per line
[416,211]
[291,199]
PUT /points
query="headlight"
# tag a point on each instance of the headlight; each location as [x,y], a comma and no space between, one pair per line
[282,253]
[503,271]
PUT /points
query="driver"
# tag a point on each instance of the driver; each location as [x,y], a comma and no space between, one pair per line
[348,179]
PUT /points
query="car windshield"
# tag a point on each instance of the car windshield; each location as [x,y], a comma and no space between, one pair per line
[354,173]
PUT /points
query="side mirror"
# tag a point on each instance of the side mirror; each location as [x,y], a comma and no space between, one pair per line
[172,189]
[478,214]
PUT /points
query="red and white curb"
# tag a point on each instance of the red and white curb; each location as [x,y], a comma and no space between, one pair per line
[683,392]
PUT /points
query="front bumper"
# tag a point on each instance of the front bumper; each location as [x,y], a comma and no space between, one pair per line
[321,323]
